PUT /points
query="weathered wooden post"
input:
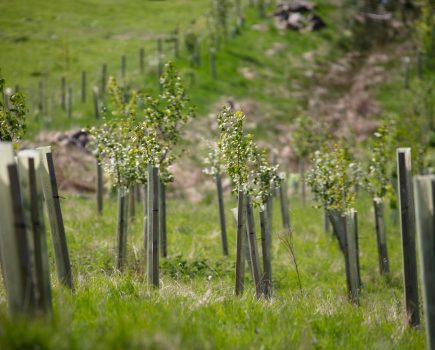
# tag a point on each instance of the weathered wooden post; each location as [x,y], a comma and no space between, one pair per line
[99,188]
[83,86]
[121,229]
[14,256]
[96,102]
[32,200]
[69,103]
[103,79]
[381,238]
[222,214]
[213,63]
[241,236]
[41,97]
[162,218]
[47,177]
[63,93]
[284,204]
[407,226]
[266,248]
[142,60]
[424,204]
[253,251]
[153,226]
[351,253]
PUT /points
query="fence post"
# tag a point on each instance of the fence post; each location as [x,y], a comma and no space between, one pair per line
[162,218]
[424,205]
[350,223]
[96,102]
[69,104]
[266,248]
[83,86]
[121,229]
[99,188]
[222,214]
[241,236]
[284,204]
[47,177]
[103,78]
[381,238]
[153,226]
[63,93]
[407,226]
[253,251]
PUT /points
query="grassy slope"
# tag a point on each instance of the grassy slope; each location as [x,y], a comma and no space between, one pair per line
[63,38]
[113,311]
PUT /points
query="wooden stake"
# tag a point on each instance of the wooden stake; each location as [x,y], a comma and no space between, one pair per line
[83,86]
[41,97]
[162,217]
[96,102]
[63,93]
[47,177]
[222,214]
[121,230]
[69,106]
[266,248]
[269,208]
[384,266]
[349,221]
[407,226]
[241,236]
[253,251]
[284,205]
[424,205]
[99,188]
[103,79]
[153,226]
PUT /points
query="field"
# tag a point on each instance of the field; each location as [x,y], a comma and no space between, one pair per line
[196,307]
[275,76]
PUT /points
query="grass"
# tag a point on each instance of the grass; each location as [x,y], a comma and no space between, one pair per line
[45,41]
[195,307]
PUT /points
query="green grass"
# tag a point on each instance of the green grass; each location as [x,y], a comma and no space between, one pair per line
[195,307]
[46,40]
